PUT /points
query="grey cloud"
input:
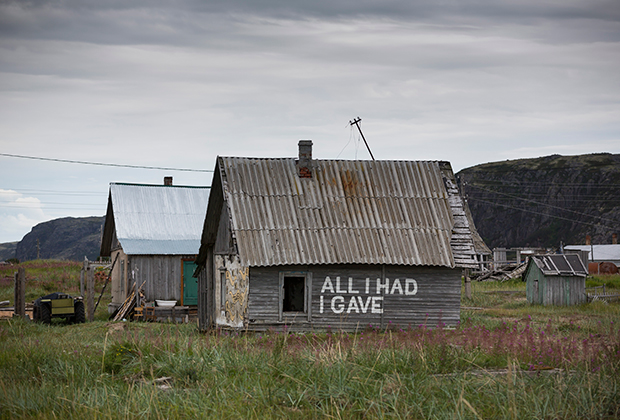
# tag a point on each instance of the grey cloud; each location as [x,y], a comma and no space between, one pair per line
[189,22]
[466,82]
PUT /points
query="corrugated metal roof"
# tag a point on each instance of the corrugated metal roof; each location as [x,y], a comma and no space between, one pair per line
[560,265]
[158,219]
[602,252]
[366,212]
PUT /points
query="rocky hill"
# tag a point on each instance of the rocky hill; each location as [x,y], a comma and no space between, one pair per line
[69,238]
[7,250]
[515,203]
[542,202]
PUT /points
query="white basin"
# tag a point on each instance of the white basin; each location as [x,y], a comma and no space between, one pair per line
[166,303]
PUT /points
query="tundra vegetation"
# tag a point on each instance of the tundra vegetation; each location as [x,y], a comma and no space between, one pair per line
[506,359]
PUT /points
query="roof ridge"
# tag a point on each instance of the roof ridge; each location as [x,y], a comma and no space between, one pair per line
[334,160]
[160,185]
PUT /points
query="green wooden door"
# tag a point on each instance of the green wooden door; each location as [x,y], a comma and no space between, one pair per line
[190,284]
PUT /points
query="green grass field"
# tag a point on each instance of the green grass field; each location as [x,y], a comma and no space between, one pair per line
[507,359]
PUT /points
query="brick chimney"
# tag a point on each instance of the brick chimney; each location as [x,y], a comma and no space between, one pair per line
[588,240]
[304,164]
[168,180]
[614,238]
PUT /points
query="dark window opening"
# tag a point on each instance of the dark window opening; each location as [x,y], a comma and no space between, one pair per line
[294,294]
[122,278]
[223,290]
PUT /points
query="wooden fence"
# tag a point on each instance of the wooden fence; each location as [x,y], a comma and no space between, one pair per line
[600,293]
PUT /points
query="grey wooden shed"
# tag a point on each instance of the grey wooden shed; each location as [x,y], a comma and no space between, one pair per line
[314,244]
[555,279]
[153,234]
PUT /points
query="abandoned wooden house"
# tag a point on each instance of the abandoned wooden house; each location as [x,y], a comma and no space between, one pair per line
[152,234]
[556,279]
[317,244]
[483,255]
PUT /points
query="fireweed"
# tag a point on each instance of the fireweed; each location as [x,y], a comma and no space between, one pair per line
[116,371]
[535,347]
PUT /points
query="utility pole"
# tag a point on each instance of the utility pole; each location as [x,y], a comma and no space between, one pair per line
[38,249]
[356,121]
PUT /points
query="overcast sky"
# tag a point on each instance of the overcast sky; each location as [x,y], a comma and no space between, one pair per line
[174,84]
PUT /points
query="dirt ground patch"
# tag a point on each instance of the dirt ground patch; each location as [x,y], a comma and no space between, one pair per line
[7,314]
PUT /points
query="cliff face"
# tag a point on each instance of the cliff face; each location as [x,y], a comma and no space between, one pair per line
[68,238]
[540,202]
[528,202]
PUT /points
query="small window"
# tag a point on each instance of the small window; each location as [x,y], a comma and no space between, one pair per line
[223,290]
[294,298]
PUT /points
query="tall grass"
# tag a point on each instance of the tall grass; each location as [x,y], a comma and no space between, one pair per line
[506,359]
[611,281]
[516,370]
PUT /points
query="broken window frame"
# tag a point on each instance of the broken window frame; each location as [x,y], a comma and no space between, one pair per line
[307,312]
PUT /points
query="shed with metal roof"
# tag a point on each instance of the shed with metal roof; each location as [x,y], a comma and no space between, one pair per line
[555,279]
[313,244]
[152,232]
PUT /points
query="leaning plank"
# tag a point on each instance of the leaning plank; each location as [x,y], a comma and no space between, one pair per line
[127,307]
[129,304]
[106,282]
[122,311]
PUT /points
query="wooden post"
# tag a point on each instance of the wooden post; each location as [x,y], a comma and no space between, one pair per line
[20,293]
[90,289]
[84,266]
[467,284]
[15,293]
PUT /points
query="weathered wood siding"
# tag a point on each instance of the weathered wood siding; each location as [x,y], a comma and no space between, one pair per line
[161,273]
[224,244]
[560,290]
[533,284]
[354,296]
[118,275]
[576,287]
[206,314]
[554,290]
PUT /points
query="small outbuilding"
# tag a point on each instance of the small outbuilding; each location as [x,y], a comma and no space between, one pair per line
[556,279]
[152,234]
[317,244]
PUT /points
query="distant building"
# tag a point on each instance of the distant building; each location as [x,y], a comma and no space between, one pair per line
[153,234]
[598,253]
[555,279]
[314,244]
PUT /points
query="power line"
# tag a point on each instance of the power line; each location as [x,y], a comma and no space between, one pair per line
[545,204]
[14,191]
[572,200]
[52,208]
[503,183]
[14,204]
[117,165]
[539,213]
[499,167]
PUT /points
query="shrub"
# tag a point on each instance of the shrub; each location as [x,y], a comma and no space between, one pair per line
[119,356]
